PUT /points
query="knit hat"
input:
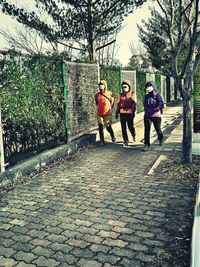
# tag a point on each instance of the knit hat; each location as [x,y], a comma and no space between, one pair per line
[127,82]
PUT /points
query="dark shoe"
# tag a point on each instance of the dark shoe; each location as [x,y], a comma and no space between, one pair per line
[102,143]
[125,143]
[101,133]
[113,139]
[110,130]
[134,138]
[161,142]
[146,148]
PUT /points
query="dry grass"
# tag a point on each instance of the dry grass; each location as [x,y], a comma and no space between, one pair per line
[186,174]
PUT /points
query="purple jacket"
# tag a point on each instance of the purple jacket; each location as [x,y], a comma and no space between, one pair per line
[153,102]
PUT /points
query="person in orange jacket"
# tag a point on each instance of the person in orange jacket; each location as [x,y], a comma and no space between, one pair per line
[105,102]
[126,107]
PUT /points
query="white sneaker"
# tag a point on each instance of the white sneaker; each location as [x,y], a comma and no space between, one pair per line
[125,143]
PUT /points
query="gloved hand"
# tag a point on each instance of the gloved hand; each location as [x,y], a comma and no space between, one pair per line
[156,109]
[116,115]
[133,114]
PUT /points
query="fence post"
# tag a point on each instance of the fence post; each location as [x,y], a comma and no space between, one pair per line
[120,78]
[1,144]
[65,97]
[168,93]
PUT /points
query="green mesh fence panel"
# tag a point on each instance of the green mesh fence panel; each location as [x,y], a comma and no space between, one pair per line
[140,82]
[158,82]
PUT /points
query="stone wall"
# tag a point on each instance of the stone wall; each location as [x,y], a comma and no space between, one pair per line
[81,83]
[163,88]
[150,76]
[196,114]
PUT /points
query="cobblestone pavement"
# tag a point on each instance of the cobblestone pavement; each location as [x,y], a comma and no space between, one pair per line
[100,208]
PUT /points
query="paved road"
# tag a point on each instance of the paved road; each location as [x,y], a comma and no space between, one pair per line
[101,208]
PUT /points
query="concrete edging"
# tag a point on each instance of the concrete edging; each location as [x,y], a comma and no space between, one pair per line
[45,158]
[195,245]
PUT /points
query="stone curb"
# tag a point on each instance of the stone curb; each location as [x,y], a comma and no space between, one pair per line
[195,245]
[35,163]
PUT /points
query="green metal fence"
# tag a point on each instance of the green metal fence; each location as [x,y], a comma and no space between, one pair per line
[140,82]
[158,81]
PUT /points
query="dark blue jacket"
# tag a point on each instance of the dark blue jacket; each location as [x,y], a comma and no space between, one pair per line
[152,101]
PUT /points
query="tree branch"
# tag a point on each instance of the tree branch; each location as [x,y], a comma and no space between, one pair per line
[180,23]
[184,11]
[72,47]
[100,47]
[195,35]
[196,62]
[168,25]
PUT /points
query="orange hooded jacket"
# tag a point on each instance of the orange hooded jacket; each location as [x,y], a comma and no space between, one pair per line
[104,100]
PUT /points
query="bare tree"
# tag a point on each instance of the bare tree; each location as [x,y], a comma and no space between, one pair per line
[139,59]
[71,19]
[182,31]
[31,42]
[107,53]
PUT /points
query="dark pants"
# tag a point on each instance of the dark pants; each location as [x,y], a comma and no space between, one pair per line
[127,119]
[101,133]
[147,127]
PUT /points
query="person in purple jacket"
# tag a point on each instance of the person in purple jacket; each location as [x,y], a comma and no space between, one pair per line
[153,105]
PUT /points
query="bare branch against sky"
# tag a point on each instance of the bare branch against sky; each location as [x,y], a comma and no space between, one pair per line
[129,32]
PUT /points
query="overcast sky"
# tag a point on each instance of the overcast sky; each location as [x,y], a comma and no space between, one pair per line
[128,33]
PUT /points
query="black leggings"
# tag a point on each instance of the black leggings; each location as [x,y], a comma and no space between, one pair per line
[127,119]
[147,127]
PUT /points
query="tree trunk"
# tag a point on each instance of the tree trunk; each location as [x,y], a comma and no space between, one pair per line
[2,163]
[187,131]
[91,36]
[92,47]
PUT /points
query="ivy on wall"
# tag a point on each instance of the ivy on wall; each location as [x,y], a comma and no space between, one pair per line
[158,81]
[140,82]
[31,96]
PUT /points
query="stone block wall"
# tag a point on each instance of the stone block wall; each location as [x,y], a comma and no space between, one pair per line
[163,88]
[150,77]
[196,114]
[81,83]
[172,97]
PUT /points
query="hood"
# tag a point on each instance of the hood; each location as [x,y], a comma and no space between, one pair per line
[126,82]
[103,82]
[151,83]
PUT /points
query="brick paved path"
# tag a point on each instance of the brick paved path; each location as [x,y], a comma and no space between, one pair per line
[100,208]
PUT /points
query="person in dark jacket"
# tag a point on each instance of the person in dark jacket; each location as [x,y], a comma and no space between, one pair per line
[153,105]
[126,107]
